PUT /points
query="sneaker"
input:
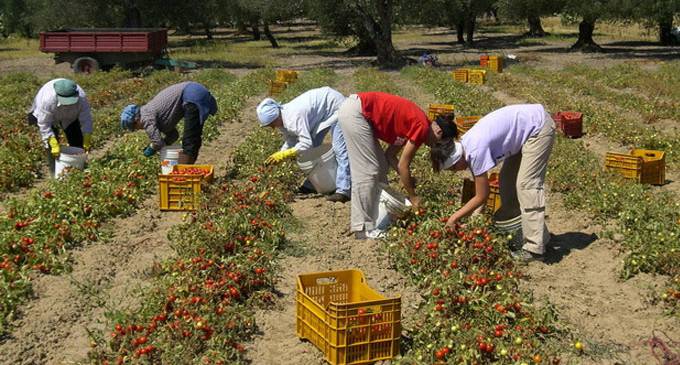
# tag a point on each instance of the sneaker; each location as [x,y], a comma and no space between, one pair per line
[526,256]
[372,234]
[338,198]
[303,190]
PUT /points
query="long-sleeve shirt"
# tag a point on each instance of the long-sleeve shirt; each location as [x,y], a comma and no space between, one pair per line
[302,116]
[166,109]
[47,111]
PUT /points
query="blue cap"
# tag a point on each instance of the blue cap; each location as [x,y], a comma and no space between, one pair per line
[268,111]
[127,117]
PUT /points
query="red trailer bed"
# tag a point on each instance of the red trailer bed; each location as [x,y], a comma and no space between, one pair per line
[90,49]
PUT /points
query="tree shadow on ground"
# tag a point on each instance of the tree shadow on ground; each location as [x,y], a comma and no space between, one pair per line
[562,244]
[225,64]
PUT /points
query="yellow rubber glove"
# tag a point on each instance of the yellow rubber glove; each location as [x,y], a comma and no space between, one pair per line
[87,141]
[281,155]
[54,146]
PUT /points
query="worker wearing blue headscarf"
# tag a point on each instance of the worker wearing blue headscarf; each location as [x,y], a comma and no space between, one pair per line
[160,116]
[304,122]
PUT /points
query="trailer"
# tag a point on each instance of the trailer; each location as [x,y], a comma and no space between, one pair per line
[90,50]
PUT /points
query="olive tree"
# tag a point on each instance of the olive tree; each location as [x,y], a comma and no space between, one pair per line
[531,11]
[589,11]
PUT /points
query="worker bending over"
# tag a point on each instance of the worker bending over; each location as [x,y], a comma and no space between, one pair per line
[160,116]
[304,122]
[61,104]
[520,136]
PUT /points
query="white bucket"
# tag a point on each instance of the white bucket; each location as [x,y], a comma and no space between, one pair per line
[73,157]
[392,206]
[169,158]
[320,167]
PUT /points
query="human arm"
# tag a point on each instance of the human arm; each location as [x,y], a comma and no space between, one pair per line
[404,170]
[149,123]
[85,119]
[480,198]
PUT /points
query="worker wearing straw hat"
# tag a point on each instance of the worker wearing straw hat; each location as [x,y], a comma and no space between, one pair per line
[370,117]
[61,103]
[520,136]
[304,122]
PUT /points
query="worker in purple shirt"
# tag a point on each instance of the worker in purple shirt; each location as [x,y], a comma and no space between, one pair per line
[160,116]
[520,136]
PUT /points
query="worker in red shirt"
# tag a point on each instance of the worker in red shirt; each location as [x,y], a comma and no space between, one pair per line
[368,117]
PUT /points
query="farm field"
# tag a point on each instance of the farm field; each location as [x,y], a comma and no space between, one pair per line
[93,272]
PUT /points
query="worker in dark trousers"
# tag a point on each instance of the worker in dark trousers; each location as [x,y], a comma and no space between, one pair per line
[160,116]
[61,104]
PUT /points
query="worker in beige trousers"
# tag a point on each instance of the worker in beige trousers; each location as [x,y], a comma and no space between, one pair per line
[366,118]
[520,136]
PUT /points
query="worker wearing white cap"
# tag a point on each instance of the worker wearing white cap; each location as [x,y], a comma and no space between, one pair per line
[304,122]
[520,136]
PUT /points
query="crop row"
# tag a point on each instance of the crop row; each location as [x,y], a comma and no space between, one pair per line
[546,88]
[640,217]
[40,228]
[201,307]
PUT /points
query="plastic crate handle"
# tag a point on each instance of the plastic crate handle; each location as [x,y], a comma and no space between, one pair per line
[327,280]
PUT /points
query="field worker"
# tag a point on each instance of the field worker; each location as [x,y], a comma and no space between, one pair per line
[368,117]
[304,122]
[160,116]
[61,104]
[520,136]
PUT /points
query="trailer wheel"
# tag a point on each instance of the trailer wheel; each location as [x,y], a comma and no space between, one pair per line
[85,65]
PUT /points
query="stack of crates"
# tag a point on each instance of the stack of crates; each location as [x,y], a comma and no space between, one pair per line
[493,203]
[286,75]
[477,77]
[277,87]
[643,166]
[495,64]
[484,61]
[461,75]
[465,123]
[435,110]
[180,191]
[347,320]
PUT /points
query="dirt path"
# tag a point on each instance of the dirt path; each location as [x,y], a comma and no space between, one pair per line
[106,275]
[581,278]
[321,244]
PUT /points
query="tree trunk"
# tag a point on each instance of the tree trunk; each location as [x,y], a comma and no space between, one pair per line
[585,42]
[365,47]
[665,27]
[208,32]
[470,30]
[380,31]
[460,32]
[241,27]
[133,18]
[535,27]
[256,31]
[270,36]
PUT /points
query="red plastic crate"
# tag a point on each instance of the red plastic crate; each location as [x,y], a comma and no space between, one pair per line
[569,123]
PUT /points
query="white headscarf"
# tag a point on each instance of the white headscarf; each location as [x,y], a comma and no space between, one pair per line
[268,111]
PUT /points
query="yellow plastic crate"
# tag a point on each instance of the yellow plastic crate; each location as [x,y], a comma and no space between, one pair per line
[495,64]
[465,123]
[276,87]
[477,77]
[343,317]
[460,74]
[179,192]
[208,171]
[286,75]
[435,110]
[493,203]
[653,166]
[643,166]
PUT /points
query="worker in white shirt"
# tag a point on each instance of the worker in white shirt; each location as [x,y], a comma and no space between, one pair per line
[61,104]
[304,122]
